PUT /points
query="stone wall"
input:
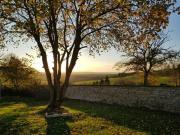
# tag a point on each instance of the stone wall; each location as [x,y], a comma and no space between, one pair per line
[159,98]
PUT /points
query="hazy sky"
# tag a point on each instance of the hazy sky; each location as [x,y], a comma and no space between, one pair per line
[105,61]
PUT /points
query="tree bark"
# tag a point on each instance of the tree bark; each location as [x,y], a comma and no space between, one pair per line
[61,95]
[146,75]
[52,91]
[70,69]
[0,91]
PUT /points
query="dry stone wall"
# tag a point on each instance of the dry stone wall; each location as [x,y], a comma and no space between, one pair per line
[160,98]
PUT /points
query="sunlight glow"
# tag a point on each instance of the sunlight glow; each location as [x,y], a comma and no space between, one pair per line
[84,64]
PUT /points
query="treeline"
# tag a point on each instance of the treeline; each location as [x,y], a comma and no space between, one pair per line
[105,81]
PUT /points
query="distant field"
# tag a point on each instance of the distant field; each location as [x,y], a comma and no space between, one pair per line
[78,76]
[155,79]
[88,78]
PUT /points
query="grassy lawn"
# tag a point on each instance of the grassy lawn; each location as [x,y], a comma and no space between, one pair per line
[24,116]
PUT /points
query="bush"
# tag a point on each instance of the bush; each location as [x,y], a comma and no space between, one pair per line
[38,92]
[6,91]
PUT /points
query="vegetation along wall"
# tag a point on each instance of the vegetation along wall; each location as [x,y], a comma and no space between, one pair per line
[158,98]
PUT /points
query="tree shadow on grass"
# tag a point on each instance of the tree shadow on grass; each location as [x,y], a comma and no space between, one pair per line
[11,124]
[6,122]
[20,116]
[57,126]
[139,119]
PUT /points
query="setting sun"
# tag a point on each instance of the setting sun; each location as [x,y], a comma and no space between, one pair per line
[84,64]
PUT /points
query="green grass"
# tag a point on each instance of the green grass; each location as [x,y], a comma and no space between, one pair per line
[135,79]
[24,116]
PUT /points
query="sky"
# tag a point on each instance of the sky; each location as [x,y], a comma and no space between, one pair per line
[100,63]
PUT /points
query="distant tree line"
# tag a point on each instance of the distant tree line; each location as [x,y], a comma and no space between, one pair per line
[105,81]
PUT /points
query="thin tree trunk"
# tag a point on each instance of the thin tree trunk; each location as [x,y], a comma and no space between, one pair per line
[146,75]
[0,91]
[55,84]
[179,75]
[61,95]
[16,84]
[68,74]
[52,102]
[63,88]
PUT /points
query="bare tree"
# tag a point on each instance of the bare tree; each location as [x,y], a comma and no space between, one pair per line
[148,55]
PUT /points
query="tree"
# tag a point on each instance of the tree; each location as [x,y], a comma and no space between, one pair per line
[176,71]
[178,75]
[149,54]
[15,70]
[0,79]
[101,82]
[65,27]
[107,81]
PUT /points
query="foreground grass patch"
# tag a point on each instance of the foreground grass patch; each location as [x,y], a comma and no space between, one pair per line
[25,116]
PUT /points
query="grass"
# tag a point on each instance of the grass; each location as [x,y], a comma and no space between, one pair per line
[24,116]
[134,79]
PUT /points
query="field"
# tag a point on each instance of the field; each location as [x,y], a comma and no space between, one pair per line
[155,79]
[79,77]
[25,116]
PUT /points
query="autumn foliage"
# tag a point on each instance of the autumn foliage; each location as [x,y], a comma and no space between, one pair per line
[65,27]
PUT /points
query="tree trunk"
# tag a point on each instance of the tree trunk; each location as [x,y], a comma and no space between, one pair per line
[52,102]
[0,90]
[16,86]
[69,68]
[146,75]
[61,95]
